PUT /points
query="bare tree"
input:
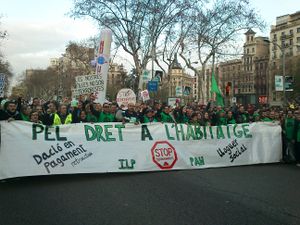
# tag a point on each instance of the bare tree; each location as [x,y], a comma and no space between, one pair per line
[137,25]
[214,29]
[5,67]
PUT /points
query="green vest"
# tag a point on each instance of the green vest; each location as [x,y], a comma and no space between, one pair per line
[289,126]
[106,117]
[166,118]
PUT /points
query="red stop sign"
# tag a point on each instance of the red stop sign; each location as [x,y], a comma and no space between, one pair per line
[164,155]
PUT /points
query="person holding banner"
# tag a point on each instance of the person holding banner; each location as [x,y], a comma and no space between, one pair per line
[166,116]
[34,117]
[289,135]
[149,116]
[25,112]
[62,117]
[130,115]
[297,138]
[10,112]
[230,118]
[105,115]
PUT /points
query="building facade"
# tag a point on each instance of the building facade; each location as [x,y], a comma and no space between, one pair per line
[177,78]
[285,40]
[115,80]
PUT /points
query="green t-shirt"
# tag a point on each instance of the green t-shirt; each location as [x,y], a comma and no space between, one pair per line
[91,118]
[166,118]
[24,117]
[289,126]
[231,121]
[266,119]
[298,132]
[222,121]
[106,117]
[147,120]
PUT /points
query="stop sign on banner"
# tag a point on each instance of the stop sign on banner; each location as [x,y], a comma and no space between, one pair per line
[164,155]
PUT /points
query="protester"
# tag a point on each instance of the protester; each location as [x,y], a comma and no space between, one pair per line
[10,112]
[130,115]
[63,116]
[297,137]
[106,115]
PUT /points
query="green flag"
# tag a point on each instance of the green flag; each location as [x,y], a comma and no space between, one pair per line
[215,89]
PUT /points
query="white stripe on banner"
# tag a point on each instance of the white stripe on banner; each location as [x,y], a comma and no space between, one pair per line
[32,149]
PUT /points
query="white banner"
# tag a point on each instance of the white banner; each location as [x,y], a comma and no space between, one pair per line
[87,84]
[32,149]
[103,62]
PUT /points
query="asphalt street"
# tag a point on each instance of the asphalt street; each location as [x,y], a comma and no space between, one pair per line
[254,195]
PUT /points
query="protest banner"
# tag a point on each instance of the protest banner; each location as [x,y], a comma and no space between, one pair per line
[103,63]
[145,95]
[117,147]
[126,96]
[87,84]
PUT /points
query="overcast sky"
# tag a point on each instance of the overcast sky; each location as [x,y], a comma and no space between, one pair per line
[40,29]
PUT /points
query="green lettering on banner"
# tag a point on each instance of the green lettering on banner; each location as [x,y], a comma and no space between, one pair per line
[179,131]
[119,127]
[146,133]
[198,132]
[36,129]
[246,131]
[58,137]
[108,134]
[211,133]
[190,132]
[197,161]
[47,133]
[99,131]
[168,133]
[89,130]
[237,134]
[220,133]
[228,132]
[124,164]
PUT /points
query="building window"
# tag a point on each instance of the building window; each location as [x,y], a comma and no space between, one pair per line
[275,36]
[298,39]
[247,50]
[283,34]
[251,38]
[291,41]
[252,49]
[298,30]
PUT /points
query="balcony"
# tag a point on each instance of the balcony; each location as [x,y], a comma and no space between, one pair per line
[286,36]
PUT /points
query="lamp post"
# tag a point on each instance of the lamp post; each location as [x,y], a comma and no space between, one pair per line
[282,49]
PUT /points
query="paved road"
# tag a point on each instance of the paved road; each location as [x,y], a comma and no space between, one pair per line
[254,195]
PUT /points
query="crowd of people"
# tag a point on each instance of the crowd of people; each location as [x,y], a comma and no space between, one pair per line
[87,110]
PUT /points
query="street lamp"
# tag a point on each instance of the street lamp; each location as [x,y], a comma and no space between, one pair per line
[282,49]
